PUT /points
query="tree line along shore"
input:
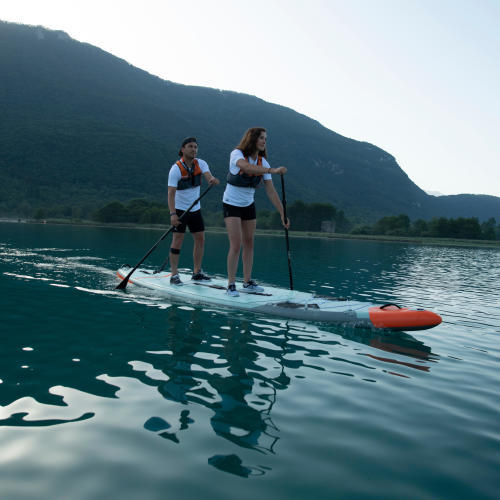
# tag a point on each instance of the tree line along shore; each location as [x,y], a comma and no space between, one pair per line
[308,219]
[272,232]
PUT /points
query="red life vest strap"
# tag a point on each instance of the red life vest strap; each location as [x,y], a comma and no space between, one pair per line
[184,171]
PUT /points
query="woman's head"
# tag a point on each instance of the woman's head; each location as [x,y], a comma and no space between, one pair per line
[254,139]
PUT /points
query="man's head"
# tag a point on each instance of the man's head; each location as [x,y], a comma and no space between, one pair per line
[189,148]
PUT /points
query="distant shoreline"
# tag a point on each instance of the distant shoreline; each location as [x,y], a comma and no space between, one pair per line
[275,232]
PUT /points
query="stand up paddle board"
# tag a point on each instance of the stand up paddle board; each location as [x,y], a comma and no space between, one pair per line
[286,303]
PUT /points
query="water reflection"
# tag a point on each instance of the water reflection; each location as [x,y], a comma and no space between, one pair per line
[233,464]
[17,420]
[399,343]
[236,368]
[223,368]
[235,365]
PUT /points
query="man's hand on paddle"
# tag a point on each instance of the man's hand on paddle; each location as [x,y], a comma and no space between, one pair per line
[174,220]
[213,181]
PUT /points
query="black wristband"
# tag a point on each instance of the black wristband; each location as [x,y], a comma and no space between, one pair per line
[173,213]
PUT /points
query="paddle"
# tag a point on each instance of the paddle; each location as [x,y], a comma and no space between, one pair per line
[123,283]
[286,231]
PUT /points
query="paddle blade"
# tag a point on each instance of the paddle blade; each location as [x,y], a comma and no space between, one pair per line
[122,285]
[124,282]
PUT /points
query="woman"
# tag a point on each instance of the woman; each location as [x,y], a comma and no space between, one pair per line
[248,168]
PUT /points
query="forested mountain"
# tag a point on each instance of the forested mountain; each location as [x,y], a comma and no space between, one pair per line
[80,127]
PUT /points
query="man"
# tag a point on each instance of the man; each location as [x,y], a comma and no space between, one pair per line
[184,180]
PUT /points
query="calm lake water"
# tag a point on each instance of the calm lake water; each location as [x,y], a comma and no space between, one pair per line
[106,394]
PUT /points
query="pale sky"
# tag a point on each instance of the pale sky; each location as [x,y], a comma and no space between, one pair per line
[418,78]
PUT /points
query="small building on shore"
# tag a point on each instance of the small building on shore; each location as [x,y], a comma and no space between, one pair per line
[328,226]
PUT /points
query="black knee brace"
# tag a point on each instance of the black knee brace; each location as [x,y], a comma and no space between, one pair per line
[175,251]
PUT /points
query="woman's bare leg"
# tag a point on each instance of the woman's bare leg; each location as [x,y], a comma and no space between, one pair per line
[248,233]
[233,226]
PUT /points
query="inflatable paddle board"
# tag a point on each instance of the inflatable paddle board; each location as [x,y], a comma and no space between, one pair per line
[286,303]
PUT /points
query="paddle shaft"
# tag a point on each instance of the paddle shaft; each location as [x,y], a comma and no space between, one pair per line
[283,201]
[123,283]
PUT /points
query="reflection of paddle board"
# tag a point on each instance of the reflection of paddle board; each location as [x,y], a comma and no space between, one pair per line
[287,303]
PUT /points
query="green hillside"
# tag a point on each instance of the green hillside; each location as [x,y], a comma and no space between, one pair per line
[81,127]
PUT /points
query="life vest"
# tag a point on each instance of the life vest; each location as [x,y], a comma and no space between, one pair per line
[190,178]
[245,180]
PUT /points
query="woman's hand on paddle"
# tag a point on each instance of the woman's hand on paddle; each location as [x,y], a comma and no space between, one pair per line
[279,170]
[213,181]
[287,225]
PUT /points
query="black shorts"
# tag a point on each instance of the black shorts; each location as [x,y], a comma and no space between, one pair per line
[244,213]
[192,220]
